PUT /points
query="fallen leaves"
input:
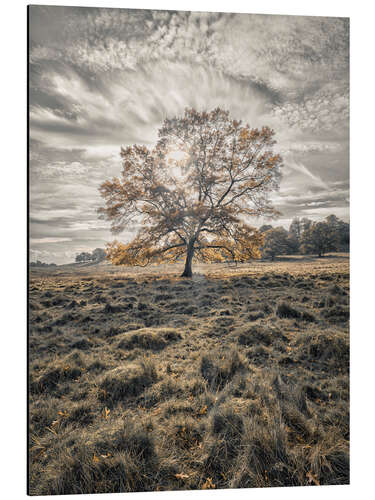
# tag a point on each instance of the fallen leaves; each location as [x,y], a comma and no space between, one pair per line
[208,485]
[312,478]
[106,412]
[181,475]
[96,459]
[203,411]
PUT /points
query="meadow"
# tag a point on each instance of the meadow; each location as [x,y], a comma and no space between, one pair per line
[140,380]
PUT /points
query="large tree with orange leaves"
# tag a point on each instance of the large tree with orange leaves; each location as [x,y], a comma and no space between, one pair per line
[192,194]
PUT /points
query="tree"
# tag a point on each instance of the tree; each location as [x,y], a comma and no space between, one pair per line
[294,236]
[98,255]
[319,238]
[83,257]
[191,194]
[344,236]
[342,229]
[275,242]
[306,224]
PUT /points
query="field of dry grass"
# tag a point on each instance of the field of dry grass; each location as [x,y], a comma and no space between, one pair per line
[143,381]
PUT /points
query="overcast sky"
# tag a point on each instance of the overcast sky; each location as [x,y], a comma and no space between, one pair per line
[105,78]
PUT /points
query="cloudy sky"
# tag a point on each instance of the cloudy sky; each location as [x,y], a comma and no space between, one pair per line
[105,78]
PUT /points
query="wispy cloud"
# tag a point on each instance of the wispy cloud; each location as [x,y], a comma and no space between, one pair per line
[302,169]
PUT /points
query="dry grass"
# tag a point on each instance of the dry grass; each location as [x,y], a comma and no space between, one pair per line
[144,381]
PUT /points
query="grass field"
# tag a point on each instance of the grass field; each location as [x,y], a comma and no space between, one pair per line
[141,380]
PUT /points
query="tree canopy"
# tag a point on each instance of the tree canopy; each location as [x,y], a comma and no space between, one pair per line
[320,238]
[192,194]
[275,242]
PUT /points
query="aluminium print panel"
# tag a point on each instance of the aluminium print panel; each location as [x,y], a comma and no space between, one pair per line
[188,250]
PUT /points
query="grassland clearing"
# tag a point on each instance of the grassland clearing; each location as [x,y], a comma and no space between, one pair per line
[141,380]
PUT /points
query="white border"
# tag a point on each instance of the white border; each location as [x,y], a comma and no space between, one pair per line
[13,247]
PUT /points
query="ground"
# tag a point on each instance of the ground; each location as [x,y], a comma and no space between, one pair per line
[141,380]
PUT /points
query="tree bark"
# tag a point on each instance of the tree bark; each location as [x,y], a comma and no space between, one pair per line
[188,273]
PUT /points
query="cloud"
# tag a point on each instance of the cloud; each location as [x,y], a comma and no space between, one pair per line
[36,241]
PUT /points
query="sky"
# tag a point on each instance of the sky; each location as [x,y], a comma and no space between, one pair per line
[101,78]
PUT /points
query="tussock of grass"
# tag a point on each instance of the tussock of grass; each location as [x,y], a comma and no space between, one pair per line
[219,368]
[123,462]
[81,343]
[319,347]
[285,310]
[337,314]
[148,338]
[255,335]
[64,370]
[127,381]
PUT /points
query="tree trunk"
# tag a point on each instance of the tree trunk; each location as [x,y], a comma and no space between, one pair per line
[188,273]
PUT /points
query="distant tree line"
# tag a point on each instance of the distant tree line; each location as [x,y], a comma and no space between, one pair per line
[38,263]
[306,237]
[98,255]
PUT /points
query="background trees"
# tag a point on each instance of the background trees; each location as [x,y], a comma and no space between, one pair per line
[192,193]
[320,238]
[307,237]
[275,242]
[83,257]
[342,229]
[98,255]
[294,235]
[38,263]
